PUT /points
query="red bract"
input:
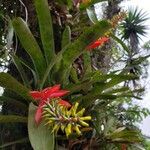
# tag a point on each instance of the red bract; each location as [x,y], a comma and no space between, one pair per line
[44,96]
[64,103]
[97,43]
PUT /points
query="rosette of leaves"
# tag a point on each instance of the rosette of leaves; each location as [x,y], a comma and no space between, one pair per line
[69,121]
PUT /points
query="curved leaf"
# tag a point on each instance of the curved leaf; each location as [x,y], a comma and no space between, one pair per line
[66,38]
[31,68]
[8,82]
[121,43]
[15,102]
[91,14]
[24,140]
[30,45]
[12,118]
[18,64]
[46,28]
[40,136]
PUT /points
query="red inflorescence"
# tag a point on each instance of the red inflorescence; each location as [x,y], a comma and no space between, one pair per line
[97,43]
[44,96]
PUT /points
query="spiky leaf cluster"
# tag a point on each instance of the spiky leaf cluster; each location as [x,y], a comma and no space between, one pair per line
[69,121]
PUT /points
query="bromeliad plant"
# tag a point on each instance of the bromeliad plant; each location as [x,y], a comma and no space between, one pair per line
[89,95]
[55,111]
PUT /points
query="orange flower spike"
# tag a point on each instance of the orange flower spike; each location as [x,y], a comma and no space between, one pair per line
[123,146]
[85,1]
[97,43]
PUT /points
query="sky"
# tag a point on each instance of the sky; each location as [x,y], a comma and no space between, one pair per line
[145,6]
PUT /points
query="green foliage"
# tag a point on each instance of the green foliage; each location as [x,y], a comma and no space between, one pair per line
[13,101]
[133,24]
[24,140]
[91,14]
[39,136]
[45,20]
[20,68]
[12,118]
[124,135]
[66,37]
[8,82]
[30,45]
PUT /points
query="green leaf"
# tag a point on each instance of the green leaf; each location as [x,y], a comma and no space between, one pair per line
[120,78]
[23,75]
[40,136]
[8,82]
[120,42]
[87,63]
[56,59]
[46,28]
[74,75]
[123,135]
[78,86]
[16,103]
[66,38]
[91,14]
[30,45]
[31,68]
[12,118]
[118,90]
[24,140]
[139,60]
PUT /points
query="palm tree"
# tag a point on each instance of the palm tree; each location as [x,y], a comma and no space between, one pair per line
[133,28]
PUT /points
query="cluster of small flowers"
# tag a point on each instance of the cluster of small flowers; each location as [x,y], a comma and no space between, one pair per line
[68,120]
[117,18]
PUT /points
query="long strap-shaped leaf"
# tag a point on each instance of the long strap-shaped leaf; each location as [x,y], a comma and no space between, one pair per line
[12,118]
[30,45]
[120,42]
[16,103]
[23,75]
[66,38]
[8,82]
[24,140]
[46,28]
[28,65]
